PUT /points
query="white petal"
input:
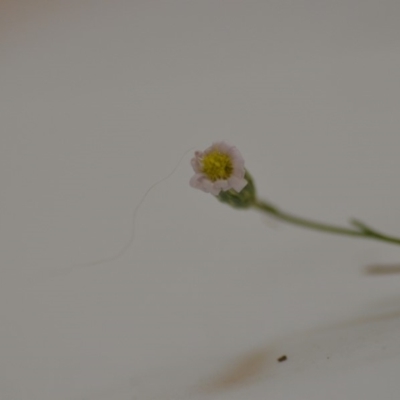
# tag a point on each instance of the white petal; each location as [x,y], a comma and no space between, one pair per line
[196,161]
[222,184]
[237,183]
[210,187]
[237,159]
[200,181]
[195,181]
[222,147]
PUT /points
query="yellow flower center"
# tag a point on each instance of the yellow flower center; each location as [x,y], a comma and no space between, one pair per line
[217,166]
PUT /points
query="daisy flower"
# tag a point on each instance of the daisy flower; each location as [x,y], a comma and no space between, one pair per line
[218,168]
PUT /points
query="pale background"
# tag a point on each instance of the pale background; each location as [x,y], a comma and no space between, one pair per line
[100,100]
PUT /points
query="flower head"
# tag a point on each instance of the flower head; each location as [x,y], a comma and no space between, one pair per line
[219,167]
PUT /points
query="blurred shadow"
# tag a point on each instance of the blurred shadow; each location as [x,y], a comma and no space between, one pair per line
[351,343]
[382,269]
[243,371]
[369,337]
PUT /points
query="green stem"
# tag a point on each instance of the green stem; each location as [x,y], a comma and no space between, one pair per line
[361,230]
